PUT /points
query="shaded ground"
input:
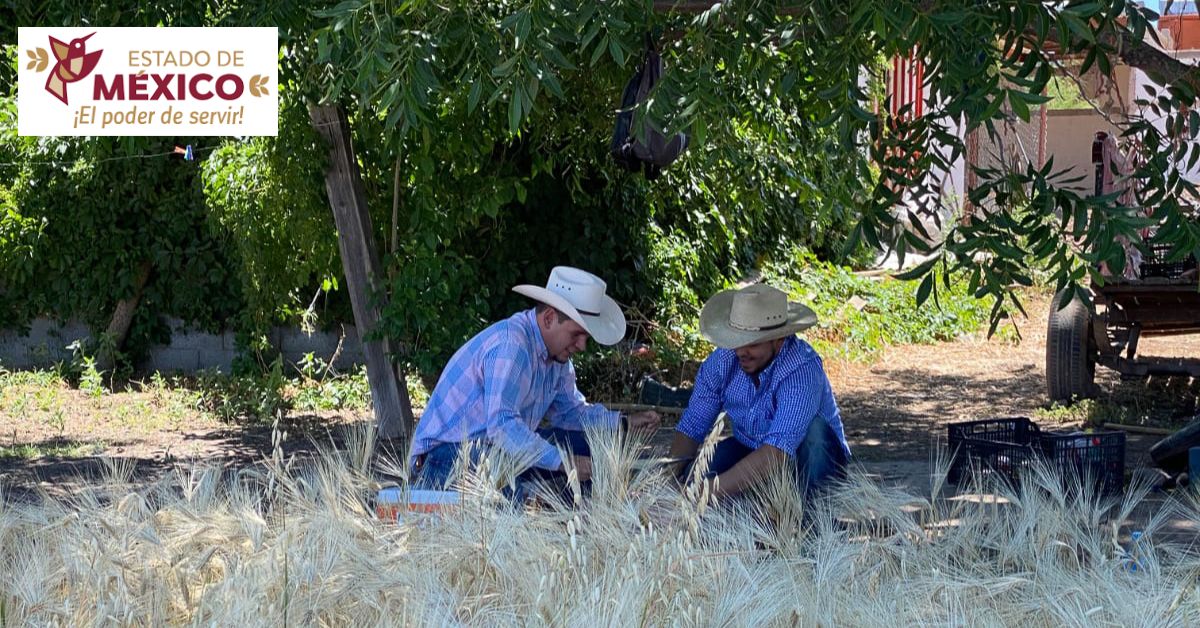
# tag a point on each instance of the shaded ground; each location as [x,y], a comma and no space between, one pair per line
[146,458]
[895,410]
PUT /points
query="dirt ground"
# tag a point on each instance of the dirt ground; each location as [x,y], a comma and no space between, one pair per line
[895,411]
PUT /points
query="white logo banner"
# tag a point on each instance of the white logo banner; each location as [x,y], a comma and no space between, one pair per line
[148,81]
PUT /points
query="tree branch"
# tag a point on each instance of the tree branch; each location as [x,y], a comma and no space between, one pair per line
[1158,65]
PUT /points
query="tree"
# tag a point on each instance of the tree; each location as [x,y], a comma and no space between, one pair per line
[118,232]
[737,68]
[481,172]
[482,126]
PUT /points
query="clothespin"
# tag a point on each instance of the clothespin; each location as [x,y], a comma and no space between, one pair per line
[187,153]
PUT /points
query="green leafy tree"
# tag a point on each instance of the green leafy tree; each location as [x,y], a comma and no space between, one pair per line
[242,237]
[264,195]
[82,221]
[495,121]
[758,68]
[482,131]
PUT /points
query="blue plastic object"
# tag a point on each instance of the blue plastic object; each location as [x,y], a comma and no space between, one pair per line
[1131,552]
[1135,553]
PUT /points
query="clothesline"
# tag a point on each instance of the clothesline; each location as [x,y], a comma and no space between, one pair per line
[100,161]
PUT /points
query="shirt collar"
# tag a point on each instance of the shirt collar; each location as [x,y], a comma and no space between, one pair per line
[768,373]
[539,343]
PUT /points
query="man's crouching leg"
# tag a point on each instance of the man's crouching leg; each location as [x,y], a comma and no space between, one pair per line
[575,442]
[437,467]
[820,459]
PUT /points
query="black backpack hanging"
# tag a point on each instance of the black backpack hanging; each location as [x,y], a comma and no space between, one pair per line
[657,152]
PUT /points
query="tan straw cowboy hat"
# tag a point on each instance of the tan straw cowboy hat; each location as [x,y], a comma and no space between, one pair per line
[757,313]
[580,295]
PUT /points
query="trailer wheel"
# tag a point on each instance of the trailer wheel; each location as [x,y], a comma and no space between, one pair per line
[1070,360]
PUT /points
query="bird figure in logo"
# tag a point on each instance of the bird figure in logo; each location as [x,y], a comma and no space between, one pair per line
[73,63]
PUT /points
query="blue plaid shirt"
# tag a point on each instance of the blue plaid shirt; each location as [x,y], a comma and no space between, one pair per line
[498,387]
[793,391]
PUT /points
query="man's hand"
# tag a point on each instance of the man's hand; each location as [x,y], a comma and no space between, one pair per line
[583,467]
[645,421]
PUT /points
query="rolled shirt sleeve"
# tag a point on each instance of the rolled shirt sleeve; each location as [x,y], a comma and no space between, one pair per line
[503,387]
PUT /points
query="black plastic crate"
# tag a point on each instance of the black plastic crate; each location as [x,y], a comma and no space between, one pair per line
[1010,447]
[994,444]
[1097,457]
[1155,263]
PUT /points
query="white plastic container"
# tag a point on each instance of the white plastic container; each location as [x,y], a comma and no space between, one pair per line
[390,503]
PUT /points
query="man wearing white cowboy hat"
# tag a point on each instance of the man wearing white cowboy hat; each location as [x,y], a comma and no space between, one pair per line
[772,386]
[499,385]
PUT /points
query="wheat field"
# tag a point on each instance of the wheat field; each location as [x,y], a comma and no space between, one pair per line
[292,542]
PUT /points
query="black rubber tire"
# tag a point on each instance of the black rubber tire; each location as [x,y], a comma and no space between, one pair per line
[1070,360]
[1171,453]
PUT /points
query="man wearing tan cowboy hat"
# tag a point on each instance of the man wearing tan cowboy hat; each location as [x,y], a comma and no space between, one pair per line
[499,385]
[772,386]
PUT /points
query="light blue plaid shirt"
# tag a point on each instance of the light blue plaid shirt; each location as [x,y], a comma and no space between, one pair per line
[793,391]
[498,387]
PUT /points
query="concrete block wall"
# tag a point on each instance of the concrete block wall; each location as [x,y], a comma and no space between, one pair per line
[189,350]
[44,344]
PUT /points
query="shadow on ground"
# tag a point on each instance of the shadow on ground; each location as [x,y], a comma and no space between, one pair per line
[906,413]
[236,447]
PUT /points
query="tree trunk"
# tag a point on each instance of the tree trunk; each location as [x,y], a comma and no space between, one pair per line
[356,241]
[122,318]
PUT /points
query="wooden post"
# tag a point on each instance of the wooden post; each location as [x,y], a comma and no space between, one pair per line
[356,241]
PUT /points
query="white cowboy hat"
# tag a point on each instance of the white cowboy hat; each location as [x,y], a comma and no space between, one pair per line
[580,295]
[757,313]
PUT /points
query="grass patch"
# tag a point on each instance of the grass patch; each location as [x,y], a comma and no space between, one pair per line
[46,405]
[1162,402]
[318,387]
[1091,412]
[63,449]
[860,316]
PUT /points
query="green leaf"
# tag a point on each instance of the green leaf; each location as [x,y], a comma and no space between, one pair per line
[948,18]
[506,67]
[592,31]
[618,53]
[473,96]
[699,132]
[924,290]
[919,270]
[557,58]
[1087,9]
[1018,105]
[599,50]
[1077,26]
[514,111]
[552,84]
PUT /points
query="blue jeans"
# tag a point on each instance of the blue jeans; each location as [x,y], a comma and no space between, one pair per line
[439,462]
[819,460]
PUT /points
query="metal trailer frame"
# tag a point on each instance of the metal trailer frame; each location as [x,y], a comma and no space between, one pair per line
[1078,337]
